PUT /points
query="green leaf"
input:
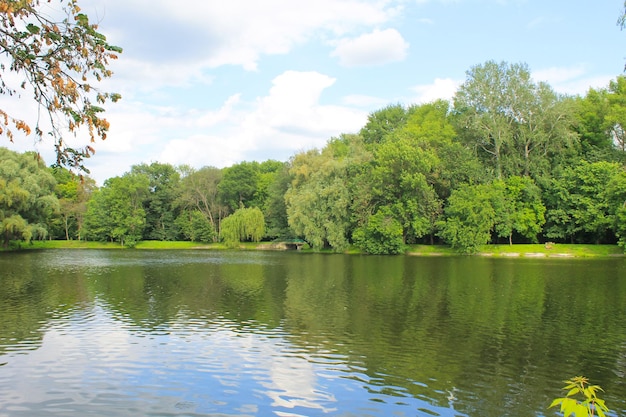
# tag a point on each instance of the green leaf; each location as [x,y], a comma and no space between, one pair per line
[32,28]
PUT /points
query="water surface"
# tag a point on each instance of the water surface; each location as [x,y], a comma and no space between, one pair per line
[201,333]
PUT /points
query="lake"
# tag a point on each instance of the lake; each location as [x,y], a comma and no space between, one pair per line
[204,333]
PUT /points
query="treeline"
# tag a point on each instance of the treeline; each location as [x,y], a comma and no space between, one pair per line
[509,160]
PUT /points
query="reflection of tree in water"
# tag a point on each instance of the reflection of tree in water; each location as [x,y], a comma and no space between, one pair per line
[30,296]
[506,329]
[494,332]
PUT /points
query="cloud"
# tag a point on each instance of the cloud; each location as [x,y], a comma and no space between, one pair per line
[572,80]
[288,119]
[237,32]
[441,88]
[375,48]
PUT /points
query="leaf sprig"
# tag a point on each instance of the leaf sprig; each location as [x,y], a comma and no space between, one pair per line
[590,405]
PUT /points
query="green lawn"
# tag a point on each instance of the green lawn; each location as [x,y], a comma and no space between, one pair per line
[537,250]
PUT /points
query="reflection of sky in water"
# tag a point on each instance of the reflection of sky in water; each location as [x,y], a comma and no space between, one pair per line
[92,364]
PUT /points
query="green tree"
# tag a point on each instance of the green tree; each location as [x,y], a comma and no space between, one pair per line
[73,192]
[469,218]
[27,200]
[160,204]
[518,208]
[616,197]
[430,125]
[199,192]
[577,204]
[514,124]
[616,115]
[116,211]
[196,227]
[400,182]
[590,115]
[275,207]
[58,61]
[383,122]
[238,185]
[245,224]
[320,197]
[381,234]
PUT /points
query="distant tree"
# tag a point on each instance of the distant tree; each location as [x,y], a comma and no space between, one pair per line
[383,122]
[400,182]
[159,205]
[199,192]
[73,192]
[245,224]
[578,206]
[591,125]
[27,200]
[320,199]
[195,226]
[381,234]
[275,207]
[239,185]
[616,116]
[116,211]
[469,218]
[514,124]
[56,58]
[518,208]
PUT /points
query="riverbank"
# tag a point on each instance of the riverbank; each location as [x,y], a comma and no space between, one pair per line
[556,250]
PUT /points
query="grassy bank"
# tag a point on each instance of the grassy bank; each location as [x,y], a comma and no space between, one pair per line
[557,250]
[525,251]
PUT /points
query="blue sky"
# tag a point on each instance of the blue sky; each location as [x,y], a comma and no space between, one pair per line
[219,82]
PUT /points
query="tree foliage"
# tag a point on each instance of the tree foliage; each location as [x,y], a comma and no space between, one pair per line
[381,234]
[27,199]
[116,211]
[245,224]
[199,193]
[57,59]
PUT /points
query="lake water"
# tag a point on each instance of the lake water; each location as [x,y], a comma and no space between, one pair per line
[202,333]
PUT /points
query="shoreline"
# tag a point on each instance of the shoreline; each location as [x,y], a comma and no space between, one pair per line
[529,251]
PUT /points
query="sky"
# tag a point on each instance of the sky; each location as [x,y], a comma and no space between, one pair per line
[214,83]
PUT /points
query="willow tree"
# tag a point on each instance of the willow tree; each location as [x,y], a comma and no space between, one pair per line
[245,224]
[27,200]
[55,55]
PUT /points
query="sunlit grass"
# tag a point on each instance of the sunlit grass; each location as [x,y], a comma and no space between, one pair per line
[517,250]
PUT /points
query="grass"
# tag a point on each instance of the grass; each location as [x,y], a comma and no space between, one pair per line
[518,250]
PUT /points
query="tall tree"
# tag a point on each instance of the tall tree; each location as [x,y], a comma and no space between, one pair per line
[27,200]
[239,185]
[116,211]
[319,199]
[57,60]
[400,182]
[73,192]
[616,117]
[383,122]
[578,207]
[199,192]
[160,208]
[512,122]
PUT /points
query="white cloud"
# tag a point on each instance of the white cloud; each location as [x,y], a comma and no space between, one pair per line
[574,80]
[375,48]
[288,119]
[237,32]
[441,88]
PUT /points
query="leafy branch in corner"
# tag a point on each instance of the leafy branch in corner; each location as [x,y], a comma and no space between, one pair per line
[59,59]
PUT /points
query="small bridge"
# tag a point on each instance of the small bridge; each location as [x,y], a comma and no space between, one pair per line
[289,244]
